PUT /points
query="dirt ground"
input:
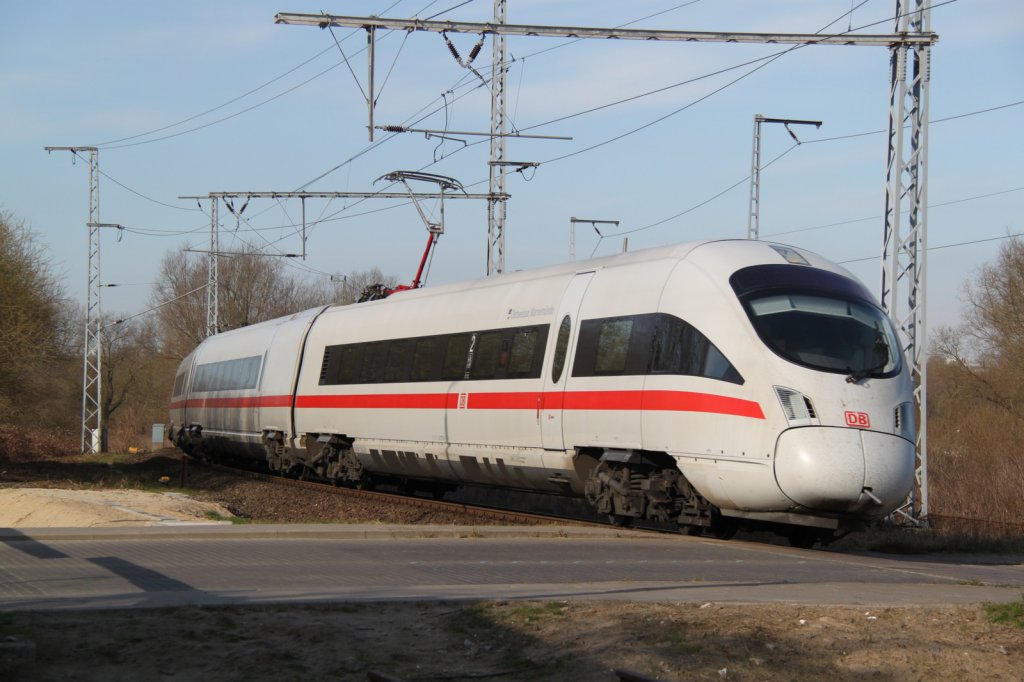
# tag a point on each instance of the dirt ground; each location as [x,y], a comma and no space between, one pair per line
[546,641]
[507,640]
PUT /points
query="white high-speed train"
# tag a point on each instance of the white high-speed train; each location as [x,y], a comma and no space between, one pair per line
[714,384]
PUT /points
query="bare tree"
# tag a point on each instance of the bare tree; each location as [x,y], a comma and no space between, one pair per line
[35,327]
[253,288]
[976,397]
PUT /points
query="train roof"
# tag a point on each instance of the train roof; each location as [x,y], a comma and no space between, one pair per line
[724,256]
[718,256]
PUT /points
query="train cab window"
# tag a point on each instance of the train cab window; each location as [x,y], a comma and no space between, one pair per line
[561,349]
[456,356]
[819,319]
[827,333]
[486,355]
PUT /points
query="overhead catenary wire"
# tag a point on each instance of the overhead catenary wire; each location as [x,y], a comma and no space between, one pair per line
[110,144]
[606,141]
[581,113]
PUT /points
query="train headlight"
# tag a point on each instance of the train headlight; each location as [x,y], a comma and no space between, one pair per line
[905,417]
[797,407]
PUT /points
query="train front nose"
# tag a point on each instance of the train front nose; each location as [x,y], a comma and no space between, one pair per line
[844,470]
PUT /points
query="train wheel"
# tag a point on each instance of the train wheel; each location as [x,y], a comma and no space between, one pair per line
[723,528]
[693,530]
[803,538]
[620,521]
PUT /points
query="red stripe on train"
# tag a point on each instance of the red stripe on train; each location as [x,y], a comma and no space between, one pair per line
[235,402]
[658,401]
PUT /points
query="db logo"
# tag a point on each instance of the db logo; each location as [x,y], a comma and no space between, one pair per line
[858,419]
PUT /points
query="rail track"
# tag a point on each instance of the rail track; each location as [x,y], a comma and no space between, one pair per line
[469,510]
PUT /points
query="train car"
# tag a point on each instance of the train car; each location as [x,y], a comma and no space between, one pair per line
[714,385]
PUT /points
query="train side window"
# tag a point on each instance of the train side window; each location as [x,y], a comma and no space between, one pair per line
[486,355]
[372,369]
[456,356]
[613,346]
[679,348]
[423,361]
[524,346]
[561,349]
[348,371]
[399,356]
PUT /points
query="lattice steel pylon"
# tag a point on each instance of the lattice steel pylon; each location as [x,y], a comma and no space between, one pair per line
[213,275]
[904,245]
[497,205]
[92,352]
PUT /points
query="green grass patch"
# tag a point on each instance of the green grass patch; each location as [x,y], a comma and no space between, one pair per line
[1006,614]
[532,612]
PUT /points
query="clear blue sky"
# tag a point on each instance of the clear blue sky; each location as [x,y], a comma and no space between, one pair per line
[171,80]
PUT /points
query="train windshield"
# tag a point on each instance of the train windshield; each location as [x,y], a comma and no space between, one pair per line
[827,333]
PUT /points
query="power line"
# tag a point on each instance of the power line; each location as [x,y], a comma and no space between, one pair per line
[787,151]
[943,246]
[115,144]
[876,217]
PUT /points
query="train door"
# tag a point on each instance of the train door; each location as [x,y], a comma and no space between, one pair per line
[556,371]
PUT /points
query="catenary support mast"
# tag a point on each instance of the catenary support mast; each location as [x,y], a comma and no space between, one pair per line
[92,352]
[905,233]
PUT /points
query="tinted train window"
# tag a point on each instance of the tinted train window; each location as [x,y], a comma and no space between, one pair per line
[179,384]
[613,346]
[456,356]
[351,357]
[524,346]
[486,355]
[561,349]
[372,369]
[423,359]
[829,334]
[399,357]
[652,343]
[489,354]
[678,348]
[228,375]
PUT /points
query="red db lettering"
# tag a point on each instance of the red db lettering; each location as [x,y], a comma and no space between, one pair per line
[858,419]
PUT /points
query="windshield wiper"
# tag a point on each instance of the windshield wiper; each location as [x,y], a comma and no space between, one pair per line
[882,348]
[860,374]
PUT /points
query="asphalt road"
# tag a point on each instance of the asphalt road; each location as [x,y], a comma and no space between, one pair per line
[168,566]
